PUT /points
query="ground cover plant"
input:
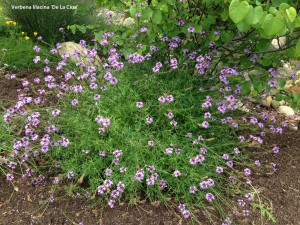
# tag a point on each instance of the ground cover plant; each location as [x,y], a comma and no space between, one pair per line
[155,121]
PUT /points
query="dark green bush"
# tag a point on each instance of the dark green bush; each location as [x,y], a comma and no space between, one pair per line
[48,21]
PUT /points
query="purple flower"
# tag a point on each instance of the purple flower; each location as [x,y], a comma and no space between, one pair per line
[219,170]
[186,214]
[36,59]
[205,124]
[207,115]
[138,15]
[229,164]
[55,112]
[153,49]
[9,177]
[272,83]
[173,123]
[151,169]
[170,115]
[101,130]
[276,150]
[193,190]
[163,183]
[108,183]
[64,142]
[162,99]
[191,29]
[74,102]
[139,175]
[181,23]
[231,179]
[96,97]
[209,197]
[149,120]
[236,151]
[115,193]
[143,30]
[123,169]
[70,175]
[247,172]
[249,196]
[169,151]
[108,172]
[169,98]
[181,207]
[47,69]
[111,203]
[139,104]
[151,143]
[176,173]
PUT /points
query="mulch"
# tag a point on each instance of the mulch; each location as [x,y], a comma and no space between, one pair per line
[25,204]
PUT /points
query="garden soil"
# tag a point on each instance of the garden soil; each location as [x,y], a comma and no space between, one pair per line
[24,204]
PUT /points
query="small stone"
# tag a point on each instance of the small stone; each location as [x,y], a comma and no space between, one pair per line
[71,47]
[267,102]
[275,104]
[282,102]
[286,110]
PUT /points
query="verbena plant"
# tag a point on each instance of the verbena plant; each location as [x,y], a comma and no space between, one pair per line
[136,129]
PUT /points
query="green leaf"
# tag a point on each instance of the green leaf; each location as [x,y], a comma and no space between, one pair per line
[146,14]
[82,29]
[291,13]
[154,2]
[238,10]
[224,15]
[171,2]
[211,19]
[72,28]
[283,7]
[164,8]
[226,37]
[263,45]
[133,10]
[157,17]
[198,28]
[297,49]
[98,35]
[297,22]
[243,27]
[205,24]
[281,82]
[246,88]
[254,15]
[273,10]
[272,25]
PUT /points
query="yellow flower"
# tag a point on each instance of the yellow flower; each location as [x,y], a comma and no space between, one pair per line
[26,38]
[15,23]
[22,32]
[35,33]
[8,22]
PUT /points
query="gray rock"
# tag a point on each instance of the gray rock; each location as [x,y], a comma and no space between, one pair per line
[286,110]
[275,104]
[70,47]
[276,43]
